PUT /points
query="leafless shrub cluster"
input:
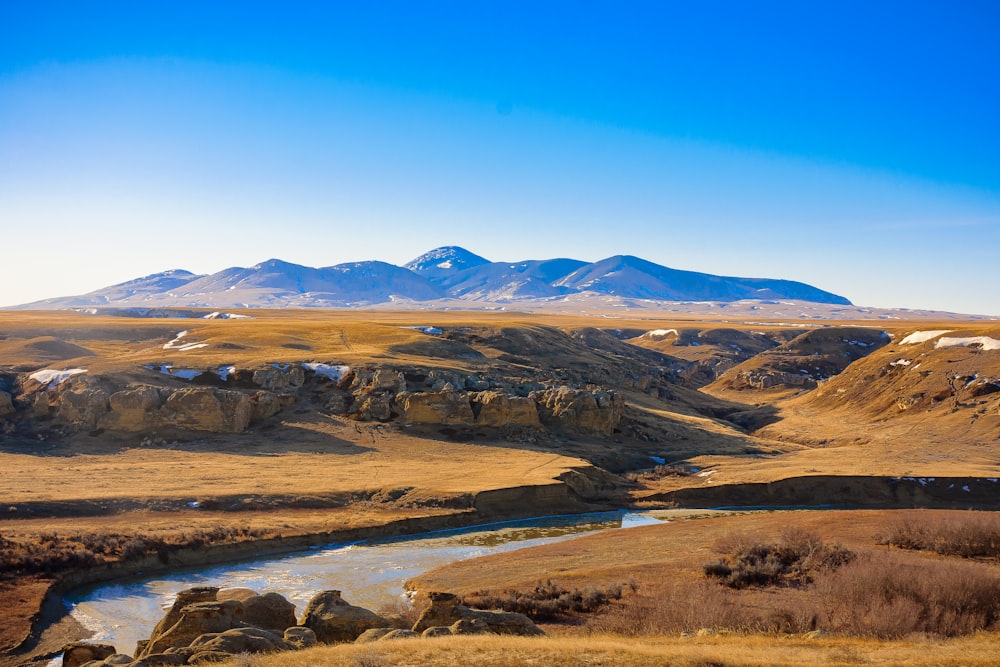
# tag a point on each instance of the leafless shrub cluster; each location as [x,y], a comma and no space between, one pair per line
[882,595]
[547,600]
[793,560]
[969,534]
[51,553]
[659,472]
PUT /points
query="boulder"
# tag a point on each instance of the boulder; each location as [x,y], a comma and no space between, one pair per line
[183,599]
[335,620]
[199,618]
[269,611]
[436,631]
[372,635]
[300,637]
[240,640]
[436,407]
[78,653]
[471,626]
[445,609]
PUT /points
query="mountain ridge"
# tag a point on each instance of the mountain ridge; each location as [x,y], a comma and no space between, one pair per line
[446,273]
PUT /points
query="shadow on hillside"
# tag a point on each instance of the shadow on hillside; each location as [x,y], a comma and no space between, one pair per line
[304,435]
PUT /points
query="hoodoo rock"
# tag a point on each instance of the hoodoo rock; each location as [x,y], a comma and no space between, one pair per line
[335,620]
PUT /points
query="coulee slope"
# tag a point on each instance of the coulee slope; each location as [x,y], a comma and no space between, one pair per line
[448,273]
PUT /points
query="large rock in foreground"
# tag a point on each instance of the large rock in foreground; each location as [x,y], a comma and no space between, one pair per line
[446,610]
[334,620]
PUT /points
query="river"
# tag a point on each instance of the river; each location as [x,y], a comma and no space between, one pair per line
[370,573]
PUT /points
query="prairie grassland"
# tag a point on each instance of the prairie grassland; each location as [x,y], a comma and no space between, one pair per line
[853,585]
[599,650]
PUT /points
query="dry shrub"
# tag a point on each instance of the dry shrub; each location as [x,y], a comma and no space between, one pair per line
[547,600]
[882,595]
[689,607]
[969,534]
[52,553]
[792,561]
[659,472]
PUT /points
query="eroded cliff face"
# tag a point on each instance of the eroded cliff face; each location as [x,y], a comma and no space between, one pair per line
[152,401]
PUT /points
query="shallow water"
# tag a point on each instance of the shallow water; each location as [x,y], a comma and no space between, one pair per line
[370,574]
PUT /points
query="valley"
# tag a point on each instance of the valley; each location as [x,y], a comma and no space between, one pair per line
[134,442]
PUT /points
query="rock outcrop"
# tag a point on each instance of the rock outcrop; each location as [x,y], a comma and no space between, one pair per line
[78,653]
[580,409]
[206,625]
[335,620]
[269,611]
[436,407]
[446,610]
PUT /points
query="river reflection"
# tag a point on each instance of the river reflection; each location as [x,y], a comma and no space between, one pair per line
[370,574]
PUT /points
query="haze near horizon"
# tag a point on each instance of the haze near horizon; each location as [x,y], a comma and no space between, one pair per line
[851,148]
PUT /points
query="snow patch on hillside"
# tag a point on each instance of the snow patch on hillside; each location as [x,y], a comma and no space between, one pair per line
[983,342]
[178,343]
[53,377]
[659,333]
[923,336]
[332,372]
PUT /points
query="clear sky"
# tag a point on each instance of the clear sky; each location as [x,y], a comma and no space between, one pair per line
[853,145]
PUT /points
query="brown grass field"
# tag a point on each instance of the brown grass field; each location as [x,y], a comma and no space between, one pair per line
[308,472]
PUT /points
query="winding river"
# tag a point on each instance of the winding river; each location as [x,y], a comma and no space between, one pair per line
[370,573]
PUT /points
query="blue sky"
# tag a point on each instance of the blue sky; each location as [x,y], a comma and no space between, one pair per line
[851,145]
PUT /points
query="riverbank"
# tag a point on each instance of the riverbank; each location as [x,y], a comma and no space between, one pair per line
[38,626]
[37,623]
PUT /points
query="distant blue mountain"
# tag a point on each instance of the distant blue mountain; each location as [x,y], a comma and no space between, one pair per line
[443,273]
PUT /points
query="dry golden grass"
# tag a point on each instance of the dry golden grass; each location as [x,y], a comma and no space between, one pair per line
[317,456]
[609,651]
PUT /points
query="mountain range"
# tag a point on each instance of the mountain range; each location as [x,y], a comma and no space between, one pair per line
[448,273]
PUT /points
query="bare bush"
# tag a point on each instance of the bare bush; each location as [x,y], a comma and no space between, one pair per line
[969,534]
[793,560]
[659,472]
[882,595]
[547,600]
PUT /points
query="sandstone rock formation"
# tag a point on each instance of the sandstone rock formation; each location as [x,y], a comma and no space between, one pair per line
[78,653]
[269,611]
[446,610]
[580,409]
[335,620]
